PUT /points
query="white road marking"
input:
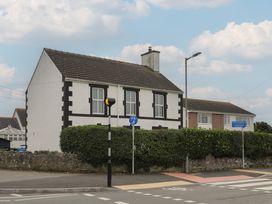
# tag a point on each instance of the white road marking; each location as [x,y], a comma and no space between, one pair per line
[147,194]
[253,184]
[189,201]
[120,202]
[4,201]
[156,196]
[45,197]
[240,181]
[255,190]
[16,195]
[103,198]
[166,197]
[267,191]
[177,199]
[243,189]
[139,192]
[131,191]
[267,188]
[89,194]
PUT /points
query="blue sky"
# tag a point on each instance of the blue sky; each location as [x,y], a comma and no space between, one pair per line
[235,37]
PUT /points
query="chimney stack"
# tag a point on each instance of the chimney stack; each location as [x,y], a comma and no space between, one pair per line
[151,59]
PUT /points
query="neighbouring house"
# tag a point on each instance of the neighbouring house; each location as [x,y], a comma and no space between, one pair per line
[13,128]
[216,115]
[20,114]
[69,89]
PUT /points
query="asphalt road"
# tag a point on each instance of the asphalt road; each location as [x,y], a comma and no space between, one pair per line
[257,190]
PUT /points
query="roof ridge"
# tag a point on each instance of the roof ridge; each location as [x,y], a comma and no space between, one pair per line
[211,100]
[100,58]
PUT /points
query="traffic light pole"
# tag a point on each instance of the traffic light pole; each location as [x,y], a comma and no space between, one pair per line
[109,149]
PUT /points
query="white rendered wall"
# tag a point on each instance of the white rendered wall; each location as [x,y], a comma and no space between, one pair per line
[80,98]
[44,112]
[173,105]
[80,105]
[146,101]
[143,123]
[250,127]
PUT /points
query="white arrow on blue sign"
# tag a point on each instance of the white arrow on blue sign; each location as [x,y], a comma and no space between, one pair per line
[239,124]
[133,120]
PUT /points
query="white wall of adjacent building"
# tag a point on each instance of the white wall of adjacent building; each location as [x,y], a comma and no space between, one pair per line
[249,119]
[44,107]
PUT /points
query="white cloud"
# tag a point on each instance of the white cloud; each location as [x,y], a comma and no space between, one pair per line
[247,40]
[65,17]
[18,93]
[188,3]
[254,103]
[171,57]
[204,66]
[6,73]
[269,92]
[207,92]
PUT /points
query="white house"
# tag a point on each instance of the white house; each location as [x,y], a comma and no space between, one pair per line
[13,128]
[216,115]
[69,89]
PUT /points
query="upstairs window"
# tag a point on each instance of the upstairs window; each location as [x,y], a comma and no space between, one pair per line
[130,102]
[159,105]
[98,96]
[204,118]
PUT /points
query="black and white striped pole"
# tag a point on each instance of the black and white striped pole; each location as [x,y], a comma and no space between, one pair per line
[109,102]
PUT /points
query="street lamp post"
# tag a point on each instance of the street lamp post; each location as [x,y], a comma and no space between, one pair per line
[186,104]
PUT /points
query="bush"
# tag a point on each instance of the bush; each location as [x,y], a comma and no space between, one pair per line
[163,148]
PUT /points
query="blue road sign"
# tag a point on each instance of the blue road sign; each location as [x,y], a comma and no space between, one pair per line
[239,124]
[133,120]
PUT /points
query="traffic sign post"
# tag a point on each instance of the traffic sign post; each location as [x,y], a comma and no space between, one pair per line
[109,102]
[133,121]
[241,124]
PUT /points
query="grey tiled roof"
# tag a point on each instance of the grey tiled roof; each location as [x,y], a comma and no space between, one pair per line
[108,71]
[215,106]
[5,122]
[22,115]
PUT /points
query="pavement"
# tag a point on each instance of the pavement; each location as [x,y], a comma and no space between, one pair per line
[40,182]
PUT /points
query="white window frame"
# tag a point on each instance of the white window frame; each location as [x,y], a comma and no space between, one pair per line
[226,119]
[158,105]
[130,103]
[204,115]
[98,101]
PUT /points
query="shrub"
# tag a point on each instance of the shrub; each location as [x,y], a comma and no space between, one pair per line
[162,148]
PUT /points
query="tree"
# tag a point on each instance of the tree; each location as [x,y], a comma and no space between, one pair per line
[262,127]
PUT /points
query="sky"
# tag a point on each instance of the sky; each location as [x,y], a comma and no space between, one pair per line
[234,36]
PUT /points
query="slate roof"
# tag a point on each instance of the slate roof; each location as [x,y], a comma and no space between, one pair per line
[108,71]
[215,106]
[5,122]
[22,115]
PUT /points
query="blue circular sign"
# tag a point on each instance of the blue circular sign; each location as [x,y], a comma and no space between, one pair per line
[133,120]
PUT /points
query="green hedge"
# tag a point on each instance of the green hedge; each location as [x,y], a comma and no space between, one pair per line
[165,148]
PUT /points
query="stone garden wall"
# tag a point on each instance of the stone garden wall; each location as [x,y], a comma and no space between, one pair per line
[64,162]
